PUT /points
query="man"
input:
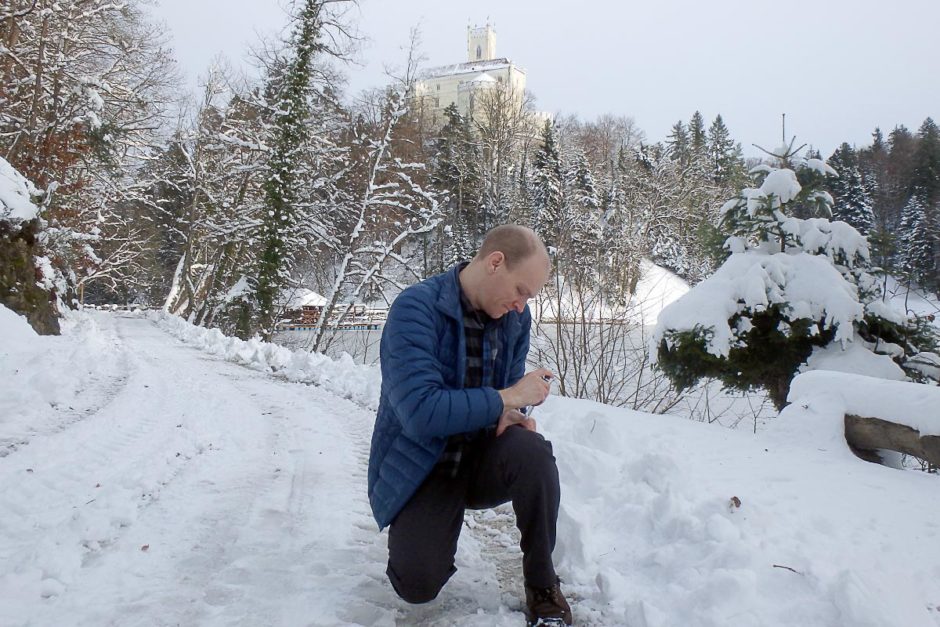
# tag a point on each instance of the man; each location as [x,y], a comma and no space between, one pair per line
[449,433]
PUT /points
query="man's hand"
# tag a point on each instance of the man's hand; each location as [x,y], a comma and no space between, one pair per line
[514,417]
[531,389]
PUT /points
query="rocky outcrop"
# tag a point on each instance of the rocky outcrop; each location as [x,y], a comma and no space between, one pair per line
[20,278]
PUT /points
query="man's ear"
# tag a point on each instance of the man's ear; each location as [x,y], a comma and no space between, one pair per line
[494,260]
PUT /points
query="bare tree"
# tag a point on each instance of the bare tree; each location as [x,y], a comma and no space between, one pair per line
[385,205]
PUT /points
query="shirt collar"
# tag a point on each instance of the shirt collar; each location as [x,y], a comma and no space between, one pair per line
[465,304]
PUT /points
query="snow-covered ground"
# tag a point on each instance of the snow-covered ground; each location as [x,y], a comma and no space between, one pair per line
[911,299]
[152,473]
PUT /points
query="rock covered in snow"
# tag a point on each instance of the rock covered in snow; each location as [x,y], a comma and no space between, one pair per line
[16,195]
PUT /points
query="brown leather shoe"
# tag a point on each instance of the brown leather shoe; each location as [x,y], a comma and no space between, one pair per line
[546,606]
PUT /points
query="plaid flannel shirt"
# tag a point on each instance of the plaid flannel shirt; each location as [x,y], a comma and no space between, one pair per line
[482,335]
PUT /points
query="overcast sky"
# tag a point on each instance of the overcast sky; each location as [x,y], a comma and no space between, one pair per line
[837,68]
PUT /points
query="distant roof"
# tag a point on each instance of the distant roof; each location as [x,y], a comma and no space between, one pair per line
[303,297]
[467,68]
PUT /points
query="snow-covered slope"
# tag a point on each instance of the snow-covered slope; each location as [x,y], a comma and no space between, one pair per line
[913,300]
[182,487]
[650,533]
[655,290]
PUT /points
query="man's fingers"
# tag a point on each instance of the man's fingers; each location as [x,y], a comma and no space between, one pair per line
[529,423]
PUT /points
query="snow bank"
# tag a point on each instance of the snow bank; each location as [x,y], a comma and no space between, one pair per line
[342,377]
[14,330]
[39,373]
[854,358]
[913,404]
[16,194]
[650,533]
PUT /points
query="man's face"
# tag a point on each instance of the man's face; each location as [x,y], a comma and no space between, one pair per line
[506,290]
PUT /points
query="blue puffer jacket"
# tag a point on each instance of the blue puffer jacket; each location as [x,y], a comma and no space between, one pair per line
[424,359]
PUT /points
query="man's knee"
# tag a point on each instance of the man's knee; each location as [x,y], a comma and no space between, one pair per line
[528,449]
[419,585]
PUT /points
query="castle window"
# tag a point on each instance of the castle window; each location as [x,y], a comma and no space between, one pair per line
[479,52]
[438,88]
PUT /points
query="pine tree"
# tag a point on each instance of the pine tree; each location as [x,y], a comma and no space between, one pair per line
[900,169]
[546,185]
[698,138]
[724,155]
[456,172]
[772,332]
[679,144]
[852,197]
[926,185]
[916,245]
[926,175]
[582,220]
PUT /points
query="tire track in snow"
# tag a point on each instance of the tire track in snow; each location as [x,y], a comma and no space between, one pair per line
[272,539]
[101,388]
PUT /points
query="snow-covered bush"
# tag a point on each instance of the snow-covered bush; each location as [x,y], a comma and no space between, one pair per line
[793,294]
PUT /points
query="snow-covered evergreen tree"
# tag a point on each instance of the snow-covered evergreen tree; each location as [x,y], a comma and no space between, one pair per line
[792,292]
[456,172]
[851,195]
[724,155]
[582,220]
[916,242]
[279,239]
[679,143]
[546,188]
[926,172]
[698,136]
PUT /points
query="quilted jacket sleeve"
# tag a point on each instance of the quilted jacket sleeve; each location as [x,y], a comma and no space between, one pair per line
[413,376]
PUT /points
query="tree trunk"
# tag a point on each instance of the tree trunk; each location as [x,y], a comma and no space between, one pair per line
[866,435]
[778,391]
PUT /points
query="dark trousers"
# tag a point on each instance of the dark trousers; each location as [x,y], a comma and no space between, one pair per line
[517,466]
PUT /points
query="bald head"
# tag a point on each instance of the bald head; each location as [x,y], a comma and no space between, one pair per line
[517,243]
[511,267]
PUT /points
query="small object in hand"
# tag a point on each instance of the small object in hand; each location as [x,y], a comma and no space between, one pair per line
[527,410]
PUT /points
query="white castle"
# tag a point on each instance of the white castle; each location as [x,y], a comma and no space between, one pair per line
[462,83]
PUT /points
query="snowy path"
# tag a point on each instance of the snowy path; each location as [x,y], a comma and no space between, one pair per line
[194,491]
[146,480]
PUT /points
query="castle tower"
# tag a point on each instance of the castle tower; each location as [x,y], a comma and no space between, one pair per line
[481,43]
